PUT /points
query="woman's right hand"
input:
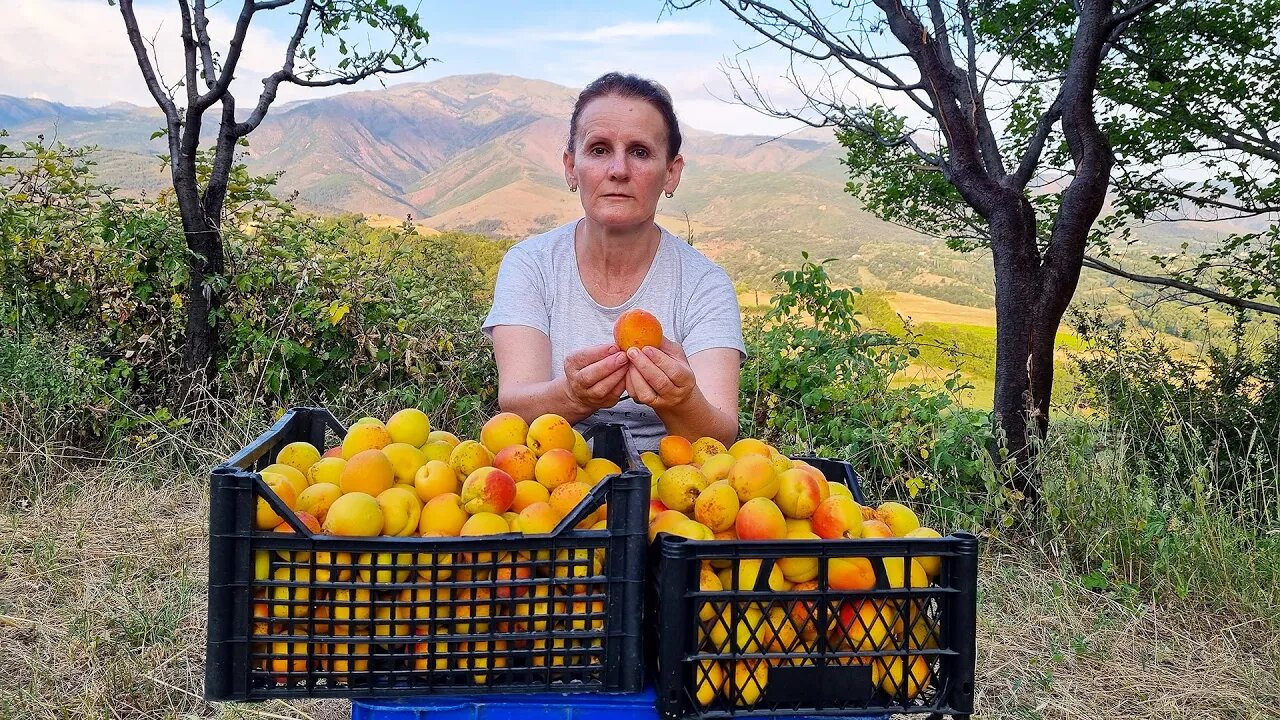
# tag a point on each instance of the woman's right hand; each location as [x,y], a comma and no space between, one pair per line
[596,376]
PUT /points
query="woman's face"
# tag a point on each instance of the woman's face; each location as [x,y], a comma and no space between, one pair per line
[619,163]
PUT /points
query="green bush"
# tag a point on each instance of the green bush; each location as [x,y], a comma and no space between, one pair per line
[815,380]
[1210,422]
[324,311]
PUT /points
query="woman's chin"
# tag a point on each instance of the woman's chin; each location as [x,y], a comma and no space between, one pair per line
[616,219]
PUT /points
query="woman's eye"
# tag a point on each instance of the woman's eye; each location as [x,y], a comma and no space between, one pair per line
[597,150]
[640,152]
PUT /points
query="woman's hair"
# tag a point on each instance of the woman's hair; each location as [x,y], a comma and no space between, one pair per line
[629,86]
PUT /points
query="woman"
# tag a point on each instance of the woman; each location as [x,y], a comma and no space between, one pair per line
[559,294]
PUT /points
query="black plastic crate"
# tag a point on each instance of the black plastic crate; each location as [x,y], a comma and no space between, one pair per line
[819,650]
[297,614]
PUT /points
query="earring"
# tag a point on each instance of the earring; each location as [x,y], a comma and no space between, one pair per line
[671,193]
[573,188]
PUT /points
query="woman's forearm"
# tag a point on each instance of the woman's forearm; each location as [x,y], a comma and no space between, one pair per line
[538,398]
[697,417]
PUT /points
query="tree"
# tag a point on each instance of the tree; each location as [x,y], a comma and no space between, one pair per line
[1014,115]
[206,82]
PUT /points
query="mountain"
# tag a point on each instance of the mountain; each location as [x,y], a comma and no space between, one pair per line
[482,153]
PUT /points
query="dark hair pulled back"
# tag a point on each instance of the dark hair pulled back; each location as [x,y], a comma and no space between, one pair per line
[629,86]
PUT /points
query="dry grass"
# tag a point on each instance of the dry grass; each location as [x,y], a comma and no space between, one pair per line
[102,614]
[1049,648]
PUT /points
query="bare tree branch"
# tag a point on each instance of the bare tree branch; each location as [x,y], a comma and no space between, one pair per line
[189,56]
[1096,264]
[233,56]
[161,97]
[202,40]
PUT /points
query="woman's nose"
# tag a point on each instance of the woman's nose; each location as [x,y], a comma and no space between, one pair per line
[618,167]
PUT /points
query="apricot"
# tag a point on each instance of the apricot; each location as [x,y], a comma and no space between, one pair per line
[653,463]
[750,446]
[895,570]
[799,494]
[410,426]
[401,510]
[865,625]
[679,487]
[875,529]
[932,564]
[296,477]
[326,470]
[433,479]
[799,525]
[355,514]
[799,569]
[444,515]
[838,517]
[368,471]
[902,679]
[384,567]
[656,506]
[705,448]
[468,457]
[364,436]
[529,492]
[598,469]
[709,682]
[502,431]
[266,517]
[749,573]
[565,498]
[675,450]
[717,467]
[488,489]
[753,476]
[716,506]
[548,432]
[298,455]
[539,518]
[637,328]
[839,488]
[317,499]
[581,451]
[405,461]
[750,677]
[900,518]
[760,519]
[437,450]
[556,467]
[664,522]
[850,573]
[517,461]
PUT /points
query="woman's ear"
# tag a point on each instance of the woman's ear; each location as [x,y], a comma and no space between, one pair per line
[569,177]
[674,168]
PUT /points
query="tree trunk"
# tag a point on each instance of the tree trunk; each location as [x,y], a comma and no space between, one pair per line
[204,241]
[1020,408]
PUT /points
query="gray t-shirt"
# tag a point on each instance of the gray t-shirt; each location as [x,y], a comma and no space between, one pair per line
[539,287]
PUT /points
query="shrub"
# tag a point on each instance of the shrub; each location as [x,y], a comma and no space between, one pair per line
[816,380]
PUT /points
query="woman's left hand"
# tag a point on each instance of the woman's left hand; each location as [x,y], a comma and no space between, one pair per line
[660,377]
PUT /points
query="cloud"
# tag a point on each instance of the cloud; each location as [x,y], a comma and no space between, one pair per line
[628,33]
[77,52]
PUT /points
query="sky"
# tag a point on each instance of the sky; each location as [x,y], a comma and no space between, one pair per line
[76,51]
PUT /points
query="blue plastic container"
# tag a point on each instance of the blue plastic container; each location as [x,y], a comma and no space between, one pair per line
[542,706]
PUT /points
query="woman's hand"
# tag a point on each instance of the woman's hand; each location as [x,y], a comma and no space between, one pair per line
[596,376]
[660,377]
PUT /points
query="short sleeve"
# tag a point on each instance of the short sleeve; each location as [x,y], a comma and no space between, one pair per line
[519,295]
[712,316]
